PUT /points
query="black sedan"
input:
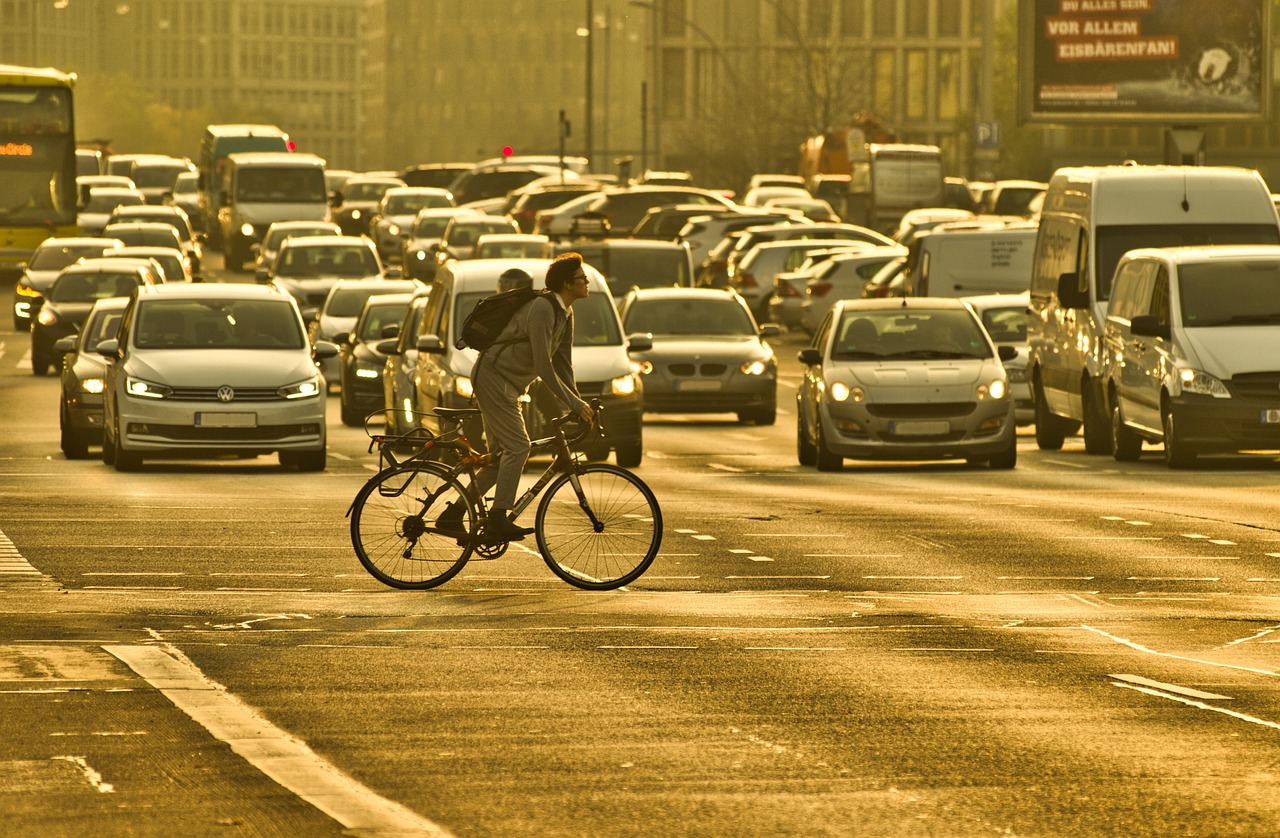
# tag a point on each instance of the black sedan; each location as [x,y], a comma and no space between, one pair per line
[360,362]
[73,294]
[80,410]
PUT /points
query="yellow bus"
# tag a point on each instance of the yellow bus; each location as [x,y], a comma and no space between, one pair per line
[37,160]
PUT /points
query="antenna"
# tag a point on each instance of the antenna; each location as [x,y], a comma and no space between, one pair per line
[1186,205]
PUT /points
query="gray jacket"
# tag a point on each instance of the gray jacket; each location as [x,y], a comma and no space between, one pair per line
[536,343]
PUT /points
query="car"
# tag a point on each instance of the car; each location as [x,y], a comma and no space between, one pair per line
[759,195]
[600,360]
[358,200]
[752,274]
[917,221]
[460,234]
[100,202]
[438,175]
[213,370]
[173,264]
[392,220]
[46,262]
[511,246]
[89,161]
[815,209]
[753,236]
[889,281]
[915,378]
[418,258]
[635,263]
[483,182]
[360,357]
[623,208]
[704,233]
[844,278]
[789,284]
[145,234]
[185,196]
[834,189]
[1004,316]
[399,389]
[338,313]
[80,403]
[73,294]
[653,177]
[308,266]
[535,197]
[666,222]
[708,355]
[1012,197]
[277,232]
[154,174]
[173,216]
[86,182]
[774,179]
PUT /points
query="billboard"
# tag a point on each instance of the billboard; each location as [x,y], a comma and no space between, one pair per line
[1144,60]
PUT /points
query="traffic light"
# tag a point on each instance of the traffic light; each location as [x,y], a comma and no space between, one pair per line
[507,151]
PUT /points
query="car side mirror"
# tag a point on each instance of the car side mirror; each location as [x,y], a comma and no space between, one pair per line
[262,276]
[324,350]
[255,250]
[109,349]
[809,356]
[392,272]
[1149,326]
[770,330]
[1069,293]
[1007,352]
[342,337]
[388,347]
[390,331]
[640,342]
[431,344]
[64,345]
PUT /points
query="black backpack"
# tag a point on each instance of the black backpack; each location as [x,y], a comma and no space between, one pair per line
[491,315]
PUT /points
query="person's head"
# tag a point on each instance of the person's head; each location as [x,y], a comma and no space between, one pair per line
[513,278]
[564,271]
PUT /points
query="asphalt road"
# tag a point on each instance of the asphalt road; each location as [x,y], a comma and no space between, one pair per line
[1078,647]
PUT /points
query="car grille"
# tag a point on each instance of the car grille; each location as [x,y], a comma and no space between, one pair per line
[940,410]
[190,433]
[242,394]
[1264,386]
[954,436]
[709,370]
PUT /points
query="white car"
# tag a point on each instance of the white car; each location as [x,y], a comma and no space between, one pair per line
[206,370]
[1004,316]
[96,210]
[844,278]
[392,222]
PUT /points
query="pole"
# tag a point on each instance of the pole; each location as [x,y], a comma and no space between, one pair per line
[644,125]
[587,138]
[657,85]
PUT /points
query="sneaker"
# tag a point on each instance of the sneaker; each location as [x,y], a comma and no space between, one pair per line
[450,521]
[502,528]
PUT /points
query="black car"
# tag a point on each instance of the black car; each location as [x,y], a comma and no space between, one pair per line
[360,363]
[80,408]
[358,200]
[71,297]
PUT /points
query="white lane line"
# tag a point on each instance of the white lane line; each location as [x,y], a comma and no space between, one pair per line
[269,749]
[1193,535]
[13,562]
[1047,578]
[759,559]
[91,775]
[1169,688]
[777,577]
[740,551]
[853,555]
[1191,558]
[704,537]
[722,467]
[1110,537]
[937,649]
[1173,578]
[646,647]
[1138,523]
[927,578]
[1222,541]
[1113,517]
[1138,647]
[1199,705]
[1254,636]
[795,649]
[1087,602]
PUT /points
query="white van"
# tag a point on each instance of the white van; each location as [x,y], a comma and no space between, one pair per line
[600,361]
[262,187]
[1092,216]
[1191,346]
[969,262]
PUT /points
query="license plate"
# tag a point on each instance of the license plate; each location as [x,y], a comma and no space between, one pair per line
[930,428]
[1270,417]
[687,386]
[226,420]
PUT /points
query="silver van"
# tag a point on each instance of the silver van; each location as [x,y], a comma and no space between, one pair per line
[261,187]
[600,361]
[1192,349]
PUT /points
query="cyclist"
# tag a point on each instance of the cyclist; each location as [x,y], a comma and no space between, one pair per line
[536,344]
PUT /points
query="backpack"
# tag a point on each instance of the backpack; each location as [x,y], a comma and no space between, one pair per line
[491,315]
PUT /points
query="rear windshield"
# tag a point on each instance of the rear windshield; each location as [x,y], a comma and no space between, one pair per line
[90,287]
[347,302]
[218,324]
[327,260]
[430,227]
[625,268]
[105,202]
[410,204]
[689,317]
[56,258]
[595,322]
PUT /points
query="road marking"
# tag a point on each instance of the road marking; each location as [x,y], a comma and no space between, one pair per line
[739,550]
[777,577]
[1067,464]
[1047,578]
[91,775]
[1173,578]
[795,649]
[1088,602]
[1138,647]
[1138,523]
[705,537]
[1199,704]
[1191,558]
[1110,537]
[722,467]
[936,649]
[1222,541]
[646,647]
[271,750]
[759,559]
[1193,535]
[12,562]
[852,555]
[1172,688]
[928,578]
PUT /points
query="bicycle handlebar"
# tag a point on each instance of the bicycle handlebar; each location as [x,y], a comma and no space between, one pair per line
[596,405]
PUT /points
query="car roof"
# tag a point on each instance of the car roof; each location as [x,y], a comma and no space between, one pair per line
[320,241]
[394,297]
[621,244]
[110,303]
[677,293]
[113,263]
[982,302]
[216,291]
[1209,253]
[71,241]
[395,285]
[907,303]
[477,274]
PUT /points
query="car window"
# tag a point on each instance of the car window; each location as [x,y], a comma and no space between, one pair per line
[908,334]
[217,324]
[379,317]
[90,287]
[689,317]
[102,326]
[347,302]
[56,258]
[430,227]
[627,267]
[1229,293]
[594,321]
[100,202]
[1006,325]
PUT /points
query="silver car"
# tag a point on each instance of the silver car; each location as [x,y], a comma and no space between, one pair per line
[1004,316]
[915,378]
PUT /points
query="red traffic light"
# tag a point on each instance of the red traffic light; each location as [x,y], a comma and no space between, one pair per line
[291,145]
[507,151]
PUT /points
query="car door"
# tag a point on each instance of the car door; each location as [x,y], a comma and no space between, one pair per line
[811,384]
[1152,355]
[400,392]
[430,369]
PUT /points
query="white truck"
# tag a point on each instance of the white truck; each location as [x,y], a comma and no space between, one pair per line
[887,179]
[971,261]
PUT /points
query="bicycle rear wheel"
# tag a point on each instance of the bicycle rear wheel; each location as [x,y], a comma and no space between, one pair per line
[614,548]
[393,526]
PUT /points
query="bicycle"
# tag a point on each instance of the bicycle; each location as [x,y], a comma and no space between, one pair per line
[598,526]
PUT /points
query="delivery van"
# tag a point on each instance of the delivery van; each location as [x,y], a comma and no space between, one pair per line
[1092,216]
[968,262]
[262,187]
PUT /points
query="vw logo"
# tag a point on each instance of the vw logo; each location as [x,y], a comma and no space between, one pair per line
[226,394]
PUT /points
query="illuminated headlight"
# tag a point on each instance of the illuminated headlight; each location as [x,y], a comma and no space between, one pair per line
[47,316]
[642,367]
[25,290]
[462,386]
[754,367]
[994,391]
[367,373]
[623,385]
[1193,381]
[406,408]
[842,392]
[307,389]
[246,229]
[355,215]
[22,308]
[393,229]
[419,255]
[146,389]
[92,385]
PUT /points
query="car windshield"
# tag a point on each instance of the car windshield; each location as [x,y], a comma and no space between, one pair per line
[510,250]
[683,317]
[379,317]
[431,227]
[347,302]
[103,325]
[625,268]
[410,204]
[185,183]
[1006,325]
[157,175]
[1243,293]
[364,191]
[55,258]
[903,334]
[91,286]
[327,260]
[595,322]
[282,185]
[147,214]
[274,236]
[218,324]
[104,202]
[1114,242]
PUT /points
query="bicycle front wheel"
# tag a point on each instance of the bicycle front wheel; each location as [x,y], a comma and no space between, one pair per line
[394,528]
[599,527]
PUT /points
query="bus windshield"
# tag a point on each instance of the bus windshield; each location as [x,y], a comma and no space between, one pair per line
[37,156]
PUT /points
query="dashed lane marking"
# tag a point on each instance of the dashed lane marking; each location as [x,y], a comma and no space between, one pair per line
[1172,688]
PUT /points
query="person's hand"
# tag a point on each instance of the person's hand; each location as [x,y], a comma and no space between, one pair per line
[587,414]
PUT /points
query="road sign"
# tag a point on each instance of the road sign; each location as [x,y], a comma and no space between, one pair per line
[986,135]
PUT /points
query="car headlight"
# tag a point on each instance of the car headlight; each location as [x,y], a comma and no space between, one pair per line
[623,385]
[92,385]
[995,390]
[47,316]
[305,389]
[1016,373]
[25,290]
[246,229]
[367,372]
[842,392]
[462,386]
[420,255]
[754,367]
[355,215]
[393,229]
[1193,381]
[642,367]
[146,389]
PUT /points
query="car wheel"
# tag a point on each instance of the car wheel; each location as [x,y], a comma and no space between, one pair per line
[108,448]
[125,460]
[806,453]
[630,454]
[1007,458]
[823,457]
[39,364]
[759,415]
[1126,446]
[1177,454]
[304,460]
[1097,425]
[351,417]
[74,444]
[1050,429]
[596,453]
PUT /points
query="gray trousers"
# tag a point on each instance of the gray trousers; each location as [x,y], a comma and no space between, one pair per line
[504,430]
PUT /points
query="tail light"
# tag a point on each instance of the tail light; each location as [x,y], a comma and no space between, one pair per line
[747,280]
[786,289]
[819,289]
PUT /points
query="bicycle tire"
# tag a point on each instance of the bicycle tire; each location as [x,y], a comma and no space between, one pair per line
[616,553]
[392,534]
